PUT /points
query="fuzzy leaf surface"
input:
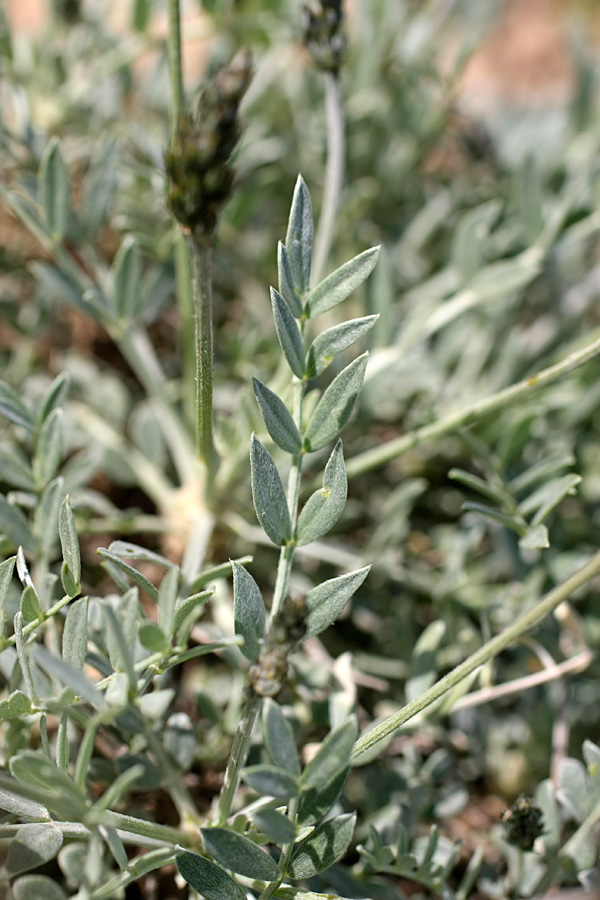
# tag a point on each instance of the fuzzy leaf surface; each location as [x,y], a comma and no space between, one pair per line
[299,237]
[70,676]
[270,781]
[32,846]
[327,345]
[6,573]
[288,333]
[336,405]
[248,611]
[69,541]
[33,887]
[238,853]
[140,580]
[317,801]
[277,418]
[75,634]
[326,601]
[126,273]
[332,757]
[286,281]
[340,284]
[15,526]
[268,494]
[49,448]
[15,705]
[13,409]
[55,190]
[323,508]
[274,824]
[324,846]
[208,879]
[279,738]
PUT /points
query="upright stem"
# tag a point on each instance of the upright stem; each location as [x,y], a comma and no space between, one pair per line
[334,174]
[174,52]
[238,755]
[201,256]
[485,653]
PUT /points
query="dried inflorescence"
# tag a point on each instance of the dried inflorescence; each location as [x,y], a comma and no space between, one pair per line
[523,823]
[324,33]
[267,676]
[197,160]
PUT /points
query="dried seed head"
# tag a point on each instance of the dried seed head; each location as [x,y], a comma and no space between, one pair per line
[199,175]
[324,34]
[523,823]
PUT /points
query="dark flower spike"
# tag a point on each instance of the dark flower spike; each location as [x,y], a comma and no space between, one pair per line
[324,34]
[523,823]
[197,161]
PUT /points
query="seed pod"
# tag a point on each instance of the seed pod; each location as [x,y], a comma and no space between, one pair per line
[523,823]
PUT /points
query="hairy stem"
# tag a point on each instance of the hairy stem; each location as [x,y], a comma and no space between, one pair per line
[238,754]
[201,256]
[389,450]
[174,53]
[485,653]
[334,174]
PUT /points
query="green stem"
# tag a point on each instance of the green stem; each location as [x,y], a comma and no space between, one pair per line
[286,853]
[485,653]
[334,174]
[238,754]
[147,862]
[201,256]
[174,53]
[384,453]
[145,829]
[185,306]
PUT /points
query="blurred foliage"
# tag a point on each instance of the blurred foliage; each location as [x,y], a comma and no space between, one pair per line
[489,273]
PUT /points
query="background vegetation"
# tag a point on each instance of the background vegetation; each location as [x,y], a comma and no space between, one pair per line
[467,509]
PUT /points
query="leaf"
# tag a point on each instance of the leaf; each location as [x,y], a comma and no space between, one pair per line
[188,608]
[299,237]
[34,887]
[126,274]
[12,408]
[53,397]
[277,419]
[547,497]
[54,190]
[535,539]
[341,283]
[15,706]
[268,495]
[70,676]
[153,638]
[248,611]
[117,637]
[74,639]
[317,802]
[167,601]
[288,333]
[69,542]
[323,508]
[142,582]
[335,406]
[15,470]
[126,550]
[179,740]
[270,781]
[208,879]
[14,524]
[6,573]
[32,846]
[22,806]
[154,706]
[275,825]
[324,846]
[46,515]
[49,448]
[31,608]
[239,854]
[326,601]
[332,757]
[279,738]
[335,340]
[286,281]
